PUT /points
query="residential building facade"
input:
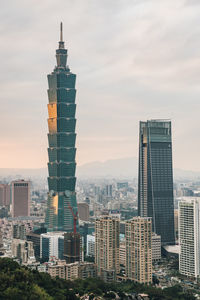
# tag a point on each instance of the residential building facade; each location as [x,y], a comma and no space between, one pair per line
[107,247]
[138,235]
[156,247]
[189,237]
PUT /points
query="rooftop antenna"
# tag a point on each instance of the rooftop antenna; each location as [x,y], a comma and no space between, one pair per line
[61,32]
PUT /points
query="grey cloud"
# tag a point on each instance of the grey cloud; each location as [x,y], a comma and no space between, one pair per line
[133,59]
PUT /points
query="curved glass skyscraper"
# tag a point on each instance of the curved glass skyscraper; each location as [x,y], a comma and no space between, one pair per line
[61,151]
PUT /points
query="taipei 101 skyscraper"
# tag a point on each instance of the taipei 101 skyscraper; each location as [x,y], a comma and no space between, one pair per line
[61,203]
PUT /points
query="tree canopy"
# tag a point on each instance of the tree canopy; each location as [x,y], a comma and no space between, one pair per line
[21,283]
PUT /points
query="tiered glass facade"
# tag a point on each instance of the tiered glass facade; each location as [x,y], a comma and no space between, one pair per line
[61,151]
[155,182]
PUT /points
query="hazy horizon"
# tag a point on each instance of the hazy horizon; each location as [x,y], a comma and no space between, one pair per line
[134,60]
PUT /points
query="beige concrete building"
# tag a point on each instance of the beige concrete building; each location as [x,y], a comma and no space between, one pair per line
[20,191]
[72,271]
[138,234]
[87,270]
[107,247]
[122,253]
[57,269]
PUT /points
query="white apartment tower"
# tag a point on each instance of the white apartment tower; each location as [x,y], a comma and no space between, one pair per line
[52,244]
[138,235]
[107,247]
[189,237]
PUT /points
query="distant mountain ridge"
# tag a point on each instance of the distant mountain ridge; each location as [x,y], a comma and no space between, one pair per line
[123,167]
[115,168]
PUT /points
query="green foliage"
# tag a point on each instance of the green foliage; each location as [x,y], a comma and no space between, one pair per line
[109,295]
[20,283]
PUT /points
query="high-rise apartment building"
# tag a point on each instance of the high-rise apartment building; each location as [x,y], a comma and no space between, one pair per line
[20,195]
[107,247]
[4,194]
[156,247]
[155,182]
[122,253]
[138,235]
[189,237]
[61,151]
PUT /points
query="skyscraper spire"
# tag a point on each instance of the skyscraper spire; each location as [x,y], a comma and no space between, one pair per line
[61,52]
[61,32]
[61,42]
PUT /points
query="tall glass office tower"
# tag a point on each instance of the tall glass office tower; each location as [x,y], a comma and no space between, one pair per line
[155,182]
[61,151]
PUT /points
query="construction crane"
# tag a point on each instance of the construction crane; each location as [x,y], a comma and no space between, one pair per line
[75,216]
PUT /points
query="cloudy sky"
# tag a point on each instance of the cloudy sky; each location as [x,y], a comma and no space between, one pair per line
[134,60]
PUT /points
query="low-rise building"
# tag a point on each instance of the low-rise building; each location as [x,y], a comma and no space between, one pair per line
[87,270]
[58,269]
[71,271]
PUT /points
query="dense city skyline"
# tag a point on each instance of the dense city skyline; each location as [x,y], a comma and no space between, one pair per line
[145,64]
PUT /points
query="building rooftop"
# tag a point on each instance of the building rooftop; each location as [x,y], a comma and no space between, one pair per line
[54,233]
[172,249]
